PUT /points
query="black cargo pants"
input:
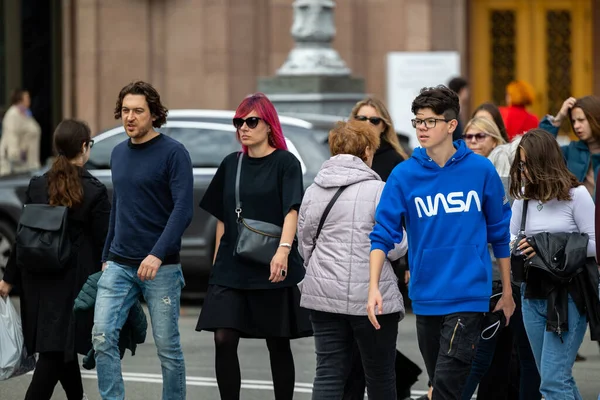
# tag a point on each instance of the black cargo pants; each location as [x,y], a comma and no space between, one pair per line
[448,344]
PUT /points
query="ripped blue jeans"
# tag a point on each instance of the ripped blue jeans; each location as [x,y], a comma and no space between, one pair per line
[118,289]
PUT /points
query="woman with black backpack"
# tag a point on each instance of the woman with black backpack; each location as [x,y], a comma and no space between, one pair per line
[72,249]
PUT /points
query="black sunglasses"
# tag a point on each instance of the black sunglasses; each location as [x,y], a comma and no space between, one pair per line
[91,143]
[479,137]
[374,120]
[251,122]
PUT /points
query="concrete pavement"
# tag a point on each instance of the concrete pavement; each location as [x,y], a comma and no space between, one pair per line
[143,379]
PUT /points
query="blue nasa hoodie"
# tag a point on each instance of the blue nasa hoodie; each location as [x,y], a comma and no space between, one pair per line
[451,215]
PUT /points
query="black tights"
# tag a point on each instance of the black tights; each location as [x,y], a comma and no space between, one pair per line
[49,370]
[227,365]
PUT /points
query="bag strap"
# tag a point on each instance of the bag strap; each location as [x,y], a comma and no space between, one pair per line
[327,209]
[238,203]
[524,216]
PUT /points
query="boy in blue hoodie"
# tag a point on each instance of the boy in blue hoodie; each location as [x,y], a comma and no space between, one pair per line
[453,203]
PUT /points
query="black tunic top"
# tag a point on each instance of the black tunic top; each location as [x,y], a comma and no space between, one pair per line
[47,301]
[270,187]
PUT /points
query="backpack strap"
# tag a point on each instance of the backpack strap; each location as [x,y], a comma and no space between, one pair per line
[327,209]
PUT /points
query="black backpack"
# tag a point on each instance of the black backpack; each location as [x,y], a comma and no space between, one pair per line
[43,243]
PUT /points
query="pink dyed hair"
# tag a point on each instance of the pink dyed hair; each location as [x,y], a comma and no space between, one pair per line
[260,103]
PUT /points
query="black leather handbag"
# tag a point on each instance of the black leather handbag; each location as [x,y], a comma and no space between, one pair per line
[257,241]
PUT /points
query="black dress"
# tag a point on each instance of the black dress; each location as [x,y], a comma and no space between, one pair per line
[240,295]
[47,301]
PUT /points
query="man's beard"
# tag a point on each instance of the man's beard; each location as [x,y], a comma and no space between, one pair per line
[140,133]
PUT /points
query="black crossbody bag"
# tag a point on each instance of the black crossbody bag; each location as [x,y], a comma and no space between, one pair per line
[257,241]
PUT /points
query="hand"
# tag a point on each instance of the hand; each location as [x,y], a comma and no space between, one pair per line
[406,276]
[507,305]
[526,249]
[104,265]
[148,268]
[564,110]
[279,263]
[374,306]
[5,288]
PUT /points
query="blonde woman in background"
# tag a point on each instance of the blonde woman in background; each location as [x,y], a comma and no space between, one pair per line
[482,136]
[390,153]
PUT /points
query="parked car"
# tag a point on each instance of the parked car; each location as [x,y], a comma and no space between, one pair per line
[322,124]
[207,143]
[317,125]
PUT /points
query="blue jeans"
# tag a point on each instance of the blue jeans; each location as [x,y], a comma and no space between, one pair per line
[554,358]
[334,339]
[118,289]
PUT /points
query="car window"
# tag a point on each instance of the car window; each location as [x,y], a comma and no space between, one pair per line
[312,152]
[207,147]
[100,154]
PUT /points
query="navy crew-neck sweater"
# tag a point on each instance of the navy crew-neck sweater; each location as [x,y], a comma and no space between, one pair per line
[152,201]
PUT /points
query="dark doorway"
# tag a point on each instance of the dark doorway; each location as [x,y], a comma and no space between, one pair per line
[41,64]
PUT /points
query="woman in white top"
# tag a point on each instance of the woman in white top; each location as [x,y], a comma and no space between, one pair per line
[491,368]
[557,203]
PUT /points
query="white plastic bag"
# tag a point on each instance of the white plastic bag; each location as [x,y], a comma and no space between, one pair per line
[14,360]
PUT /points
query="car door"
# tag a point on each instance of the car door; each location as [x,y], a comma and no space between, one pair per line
[208,144]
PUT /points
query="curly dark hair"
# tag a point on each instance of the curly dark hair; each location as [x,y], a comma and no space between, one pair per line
[440,99]
[547,176]
[157,110]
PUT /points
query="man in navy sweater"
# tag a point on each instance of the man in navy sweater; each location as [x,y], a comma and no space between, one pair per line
[151,208]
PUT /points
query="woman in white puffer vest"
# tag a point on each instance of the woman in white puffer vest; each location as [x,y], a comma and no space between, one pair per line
[336,284]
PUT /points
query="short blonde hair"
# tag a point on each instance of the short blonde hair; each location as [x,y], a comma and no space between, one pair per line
[486,126]
[353,137]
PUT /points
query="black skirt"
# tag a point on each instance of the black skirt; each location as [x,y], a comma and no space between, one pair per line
[255,313]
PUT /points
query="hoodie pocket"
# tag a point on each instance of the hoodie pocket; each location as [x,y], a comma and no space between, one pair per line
[450,273]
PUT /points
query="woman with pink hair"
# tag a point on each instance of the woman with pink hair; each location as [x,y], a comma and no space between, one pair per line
[249,298]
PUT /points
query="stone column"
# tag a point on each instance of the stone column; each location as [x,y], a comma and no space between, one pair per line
[314,78]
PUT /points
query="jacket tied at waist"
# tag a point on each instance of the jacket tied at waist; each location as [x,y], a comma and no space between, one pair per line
[133,331]
[561,267]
